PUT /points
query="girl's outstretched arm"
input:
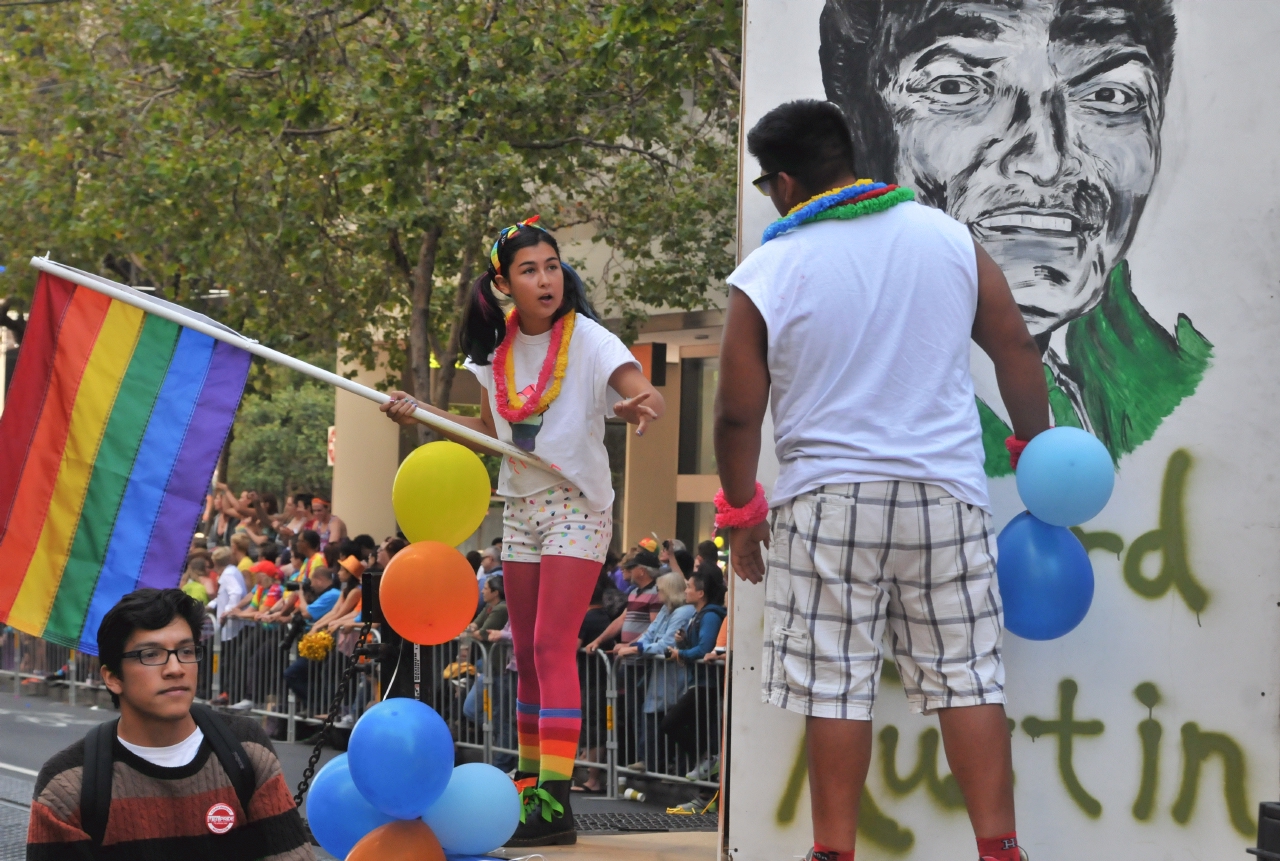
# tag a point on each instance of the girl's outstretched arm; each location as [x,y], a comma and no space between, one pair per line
[402,404]
[641,403]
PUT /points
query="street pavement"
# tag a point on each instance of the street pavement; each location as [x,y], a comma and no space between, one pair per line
[32,729]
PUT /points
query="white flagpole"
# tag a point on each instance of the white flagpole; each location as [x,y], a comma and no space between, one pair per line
[151,306]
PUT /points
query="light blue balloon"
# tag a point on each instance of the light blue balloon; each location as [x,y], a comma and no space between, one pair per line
[1065,476]
[401,757]
[478,812]
[337,812]
[1046,579]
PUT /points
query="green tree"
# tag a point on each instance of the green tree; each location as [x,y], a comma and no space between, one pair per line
[332,173]
[280,439]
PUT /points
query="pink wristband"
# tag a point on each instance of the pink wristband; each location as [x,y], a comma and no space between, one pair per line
[752,514]
[1015,447]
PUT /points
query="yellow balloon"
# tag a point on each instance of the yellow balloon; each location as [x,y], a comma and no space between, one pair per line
[441,493]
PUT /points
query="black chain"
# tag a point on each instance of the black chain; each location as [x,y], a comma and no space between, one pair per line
[334,707]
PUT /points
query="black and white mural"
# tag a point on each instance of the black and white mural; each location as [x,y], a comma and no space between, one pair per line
[1038,124]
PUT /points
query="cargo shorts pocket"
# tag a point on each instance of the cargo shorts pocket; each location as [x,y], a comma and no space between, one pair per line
[794,649]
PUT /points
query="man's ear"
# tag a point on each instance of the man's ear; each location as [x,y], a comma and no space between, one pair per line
[792,192]
[112,681]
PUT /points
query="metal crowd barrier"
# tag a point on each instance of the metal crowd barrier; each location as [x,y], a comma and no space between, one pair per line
[249,667]
[671,718]
[258,676]
[24,657]
[641,715]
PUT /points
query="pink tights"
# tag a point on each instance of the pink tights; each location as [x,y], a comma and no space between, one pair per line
[546,602]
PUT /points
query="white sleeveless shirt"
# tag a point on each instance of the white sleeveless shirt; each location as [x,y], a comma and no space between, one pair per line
[869,322]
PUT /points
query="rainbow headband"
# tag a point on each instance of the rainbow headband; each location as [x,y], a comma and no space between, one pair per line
[861,198]
[507,232]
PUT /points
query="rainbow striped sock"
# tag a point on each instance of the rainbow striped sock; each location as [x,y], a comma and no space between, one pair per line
[558,731]
[527,735]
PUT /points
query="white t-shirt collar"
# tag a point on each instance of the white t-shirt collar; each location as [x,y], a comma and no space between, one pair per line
[173,756]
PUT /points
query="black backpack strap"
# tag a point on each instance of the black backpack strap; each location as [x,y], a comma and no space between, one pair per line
[235,762]
[95,782]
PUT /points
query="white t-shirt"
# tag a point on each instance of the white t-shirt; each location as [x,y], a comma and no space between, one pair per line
[173,756]
[571,436]
[230,590]
[869,322]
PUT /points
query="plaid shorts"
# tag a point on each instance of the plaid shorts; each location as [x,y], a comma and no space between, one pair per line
[849,561]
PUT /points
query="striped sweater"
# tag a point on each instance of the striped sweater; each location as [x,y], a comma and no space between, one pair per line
[188,813]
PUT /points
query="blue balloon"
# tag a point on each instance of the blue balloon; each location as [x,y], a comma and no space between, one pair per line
[337,812]
[1065,476]
[478,812]
[401,757]
[1046,579]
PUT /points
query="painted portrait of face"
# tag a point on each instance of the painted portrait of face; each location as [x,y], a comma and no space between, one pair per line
[1034,122]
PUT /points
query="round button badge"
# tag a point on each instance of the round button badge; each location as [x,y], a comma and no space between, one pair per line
[221,818]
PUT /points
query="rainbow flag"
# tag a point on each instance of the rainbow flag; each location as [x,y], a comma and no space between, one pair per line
[111,430]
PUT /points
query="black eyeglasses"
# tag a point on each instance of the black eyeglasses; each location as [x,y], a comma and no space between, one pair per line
[762,182]
[154,656]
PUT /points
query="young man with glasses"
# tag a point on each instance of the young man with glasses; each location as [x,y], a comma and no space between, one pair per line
[167,779]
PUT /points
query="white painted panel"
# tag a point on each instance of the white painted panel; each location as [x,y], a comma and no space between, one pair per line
[1205,249]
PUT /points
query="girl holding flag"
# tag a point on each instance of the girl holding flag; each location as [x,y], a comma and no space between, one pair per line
[551,375]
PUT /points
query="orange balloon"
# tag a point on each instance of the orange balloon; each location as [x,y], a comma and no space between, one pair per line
[402,840]
[429,593]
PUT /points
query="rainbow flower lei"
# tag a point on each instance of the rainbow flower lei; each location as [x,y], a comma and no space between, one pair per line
[861,198]
[513,407]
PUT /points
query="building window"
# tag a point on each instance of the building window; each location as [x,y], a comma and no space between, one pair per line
[698,379]
[695,521]
[615,443]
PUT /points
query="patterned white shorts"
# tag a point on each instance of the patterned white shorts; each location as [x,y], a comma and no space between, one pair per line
[557,521]
[849,561]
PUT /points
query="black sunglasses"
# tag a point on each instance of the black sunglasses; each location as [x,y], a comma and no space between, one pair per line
[762,182]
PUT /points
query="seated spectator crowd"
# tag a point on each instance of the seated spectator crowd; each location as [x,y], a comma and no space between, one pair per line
[294,570]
